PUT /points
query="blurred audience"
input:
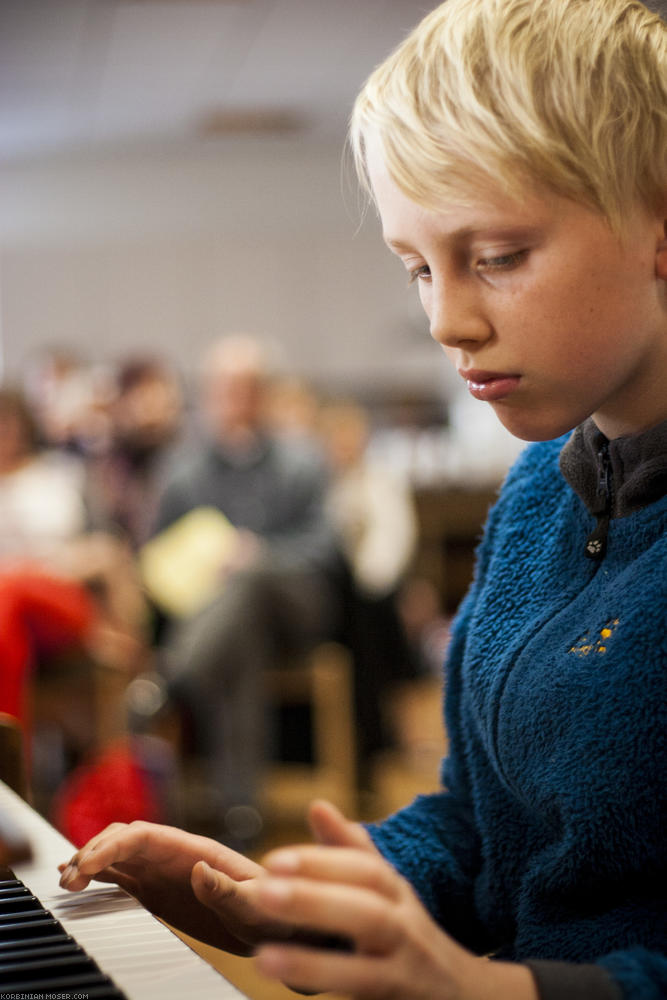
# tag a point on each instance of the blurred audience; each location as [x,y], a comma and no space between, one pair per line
[146,417]
[293,407]
[273,591]
[70,400]
[373,511]
[62,584]
[466,448]
[319,526]
[371,505]
[42,491]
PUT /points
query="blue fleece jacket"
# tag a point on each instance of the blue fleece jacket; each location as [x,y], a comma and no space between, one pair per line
[549,841]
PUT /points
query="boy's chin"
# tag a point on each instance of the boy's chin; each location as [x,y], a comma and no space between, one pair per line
[530,425]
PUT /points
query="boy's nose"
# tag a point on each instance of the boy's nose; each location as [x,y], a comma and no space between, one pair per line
[456,318]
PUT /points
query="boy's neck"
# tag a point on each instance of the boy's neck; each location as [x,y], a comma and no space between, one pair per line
[642,410]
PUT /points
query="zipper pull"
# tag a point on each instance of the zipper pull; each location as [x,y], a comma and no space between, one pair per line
[596,543]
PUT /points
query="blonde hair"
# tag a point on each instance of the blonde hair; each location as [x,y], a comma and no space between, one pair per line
[570,95]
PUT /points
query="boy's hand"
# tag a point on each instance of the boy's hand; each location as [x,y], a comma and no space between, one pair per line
[193,883]
[345,889]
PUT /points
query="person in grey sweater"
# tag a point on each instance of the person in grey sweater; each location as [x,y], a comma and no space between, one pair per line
[274,594]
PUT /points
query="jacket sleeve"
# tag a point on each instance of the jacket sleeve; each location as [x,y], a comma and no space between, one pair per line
[567,981]
[633,974]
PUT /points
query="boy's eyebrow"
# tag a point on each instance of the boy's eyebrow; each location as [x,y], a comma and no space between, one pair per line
[397,245]
[515,231]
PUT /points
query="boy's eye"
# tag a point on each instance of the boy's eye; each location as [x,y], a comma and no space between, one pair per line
[504,262]
[422,272]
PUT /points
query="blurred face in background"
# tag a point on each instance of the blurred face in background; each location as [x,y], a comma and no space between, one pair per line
[234,389]
[233,401]
[148,414]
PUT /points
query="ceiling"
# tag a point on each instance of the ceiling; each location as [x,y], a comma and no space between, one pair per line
[81,76]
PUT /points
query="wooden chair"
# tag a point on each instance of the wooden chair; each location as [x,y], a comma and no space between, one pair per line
[413,767]
[323,683]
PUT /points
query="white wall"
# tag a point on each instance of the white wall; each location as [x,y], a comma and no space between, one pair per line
[166,252]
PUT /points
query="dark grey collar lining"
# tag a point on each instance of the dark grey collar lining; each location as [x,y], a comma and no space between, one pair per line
[638,462]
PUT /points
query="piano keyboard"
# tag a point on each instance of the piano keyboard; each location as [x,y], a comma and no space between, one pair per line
[100,943]
[37,954]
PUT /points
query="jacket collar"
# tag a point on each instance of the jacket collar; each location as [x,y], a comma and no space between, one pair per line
[638,466]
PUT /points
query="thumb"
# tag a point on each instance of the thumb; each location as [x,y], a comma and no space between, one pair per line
[330,827]
[234,905]
[210,886]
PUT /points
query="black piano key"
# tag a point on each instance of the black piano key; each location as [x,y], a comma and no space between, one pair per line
[105,991]
[77,984]
[66,992]
[29,915]
[35,941]
[109,992]
[29,928]
[44,951]
[37,954]
[14,904]
[59,966]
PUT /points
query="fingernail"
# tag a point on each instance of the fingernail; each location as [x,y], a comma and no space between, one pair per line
[284,861]
[68,875]
[207,875]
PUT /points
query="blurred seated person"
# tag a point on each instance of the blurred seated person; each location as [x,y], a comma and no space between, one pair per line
[69,398]
[42,491]
[273,592]
[61,584]
[146,414]
[373,510]
[294,407]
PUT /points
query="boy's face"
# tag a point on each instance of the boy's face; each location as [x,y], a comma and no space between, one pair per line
[545,313]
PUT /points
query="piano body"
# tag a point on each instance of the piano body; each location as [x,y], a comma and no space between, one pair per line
[143,958]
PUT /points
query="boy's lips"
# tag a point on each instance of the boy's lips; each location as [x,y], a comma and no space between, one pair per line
[489,386]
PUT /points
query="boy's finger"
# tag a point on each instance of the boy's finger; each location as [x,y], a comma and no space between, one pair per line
[235,903]
[358,915]
[329,826]
[309,971]
[73,880]
[91,845]
[213,888]
[113,846]
[349,866]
